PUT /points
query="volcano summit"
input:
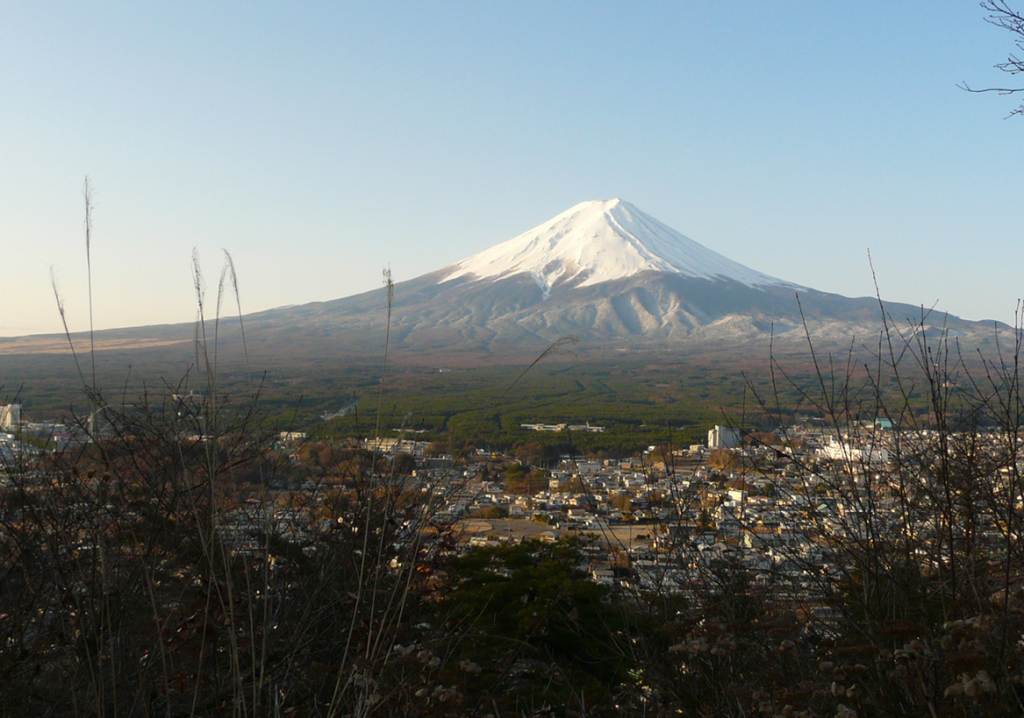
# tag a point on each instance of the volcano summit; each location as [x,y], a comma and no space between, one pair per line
[603,241]
[604,272]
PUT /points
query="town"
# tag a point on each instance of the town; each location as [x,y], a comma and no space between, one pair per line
[763,552]
[784,510]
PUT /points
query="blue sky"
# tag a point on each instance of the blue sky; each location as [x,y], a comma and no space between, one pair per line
[319,145]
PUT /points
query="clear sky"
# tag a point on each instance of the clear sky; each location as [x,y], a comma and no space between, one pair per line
[320,142]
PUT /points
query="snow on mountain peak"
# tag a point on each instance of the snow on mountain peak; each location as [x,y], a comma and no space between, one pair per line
[601,241]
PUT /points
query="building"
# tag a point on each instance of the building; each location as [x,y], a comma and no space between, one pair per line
[838,450]
[391,446]
[563,427]
[722,437]
[10,416]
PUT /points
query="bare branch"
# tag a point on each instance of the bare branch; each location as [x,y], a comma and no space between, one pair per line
[1001,15]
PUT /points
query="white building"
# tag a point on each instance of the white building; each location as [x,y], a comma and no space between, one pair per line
[837,450]
[10,416]
[722,437]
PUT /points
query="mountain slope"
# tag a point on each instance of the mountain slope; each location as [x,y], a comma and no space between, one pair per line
[612,276]
[604,272]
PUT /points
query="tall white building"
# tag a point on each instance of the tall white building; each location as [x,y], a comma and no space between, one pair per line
[722,437]
[10,416]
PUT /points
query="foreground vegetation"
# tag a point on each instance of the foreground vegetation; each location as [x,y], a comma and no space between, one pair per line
[151,570]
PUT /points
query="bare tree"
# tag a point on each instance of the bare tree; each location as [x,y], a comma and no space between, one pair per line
[1003,16]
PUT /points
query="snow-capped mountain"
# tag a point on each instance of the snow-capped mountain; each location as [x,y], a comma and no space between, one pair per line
[603,241]
[604,272]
